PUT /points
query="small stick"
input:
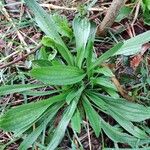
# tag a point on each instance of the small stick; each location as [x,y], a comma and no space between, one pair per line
[21,58]
[51,6]
[110,16]
[136,12]
[135,16]
[122,92]
[120,89]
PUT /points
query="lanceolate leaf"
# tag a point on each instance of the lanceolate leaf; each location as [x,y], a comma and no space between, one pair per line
[112,132]
[134,45]
[30,139]
[58,75]
[117,136]
[26,114]
[76,121]
[128,126]
[81,28]
[106,55]
[48,26]
[97,100]
[92,116]
[40,93]
[60,131]
[105,71]
[9,89]
[90,44]
[105,82]
[131,111]
[73,94]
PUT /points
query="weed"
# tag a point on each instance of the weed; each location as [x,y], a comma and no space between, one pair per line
[80,85]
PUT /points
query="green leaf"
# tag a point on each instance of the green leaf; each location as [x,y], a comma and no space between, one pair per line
[105,82]
[90,44]
[134,45]
[92,116]
[42,55]
[58,75]
[24,115]
[62,25]
[60,131]
[105,71]
[81,29]
[146,11]
[106,55]
[117,136]
[40,93]
[94,97]
[111,92]
[131,111]
[9,89]
[76,121]
[128,126]
[41,63]
[123,13]
[47,25]
[74,93]
[146,3]
[49,42]
[31,138]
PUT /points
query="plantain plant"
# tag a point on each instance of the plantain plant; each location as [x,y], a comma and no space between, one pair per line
[80,86]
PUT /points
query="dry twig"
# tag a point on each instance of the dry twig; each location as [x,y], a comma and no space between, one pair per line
[20,58]
[122,92]
[110,16]
[51,6]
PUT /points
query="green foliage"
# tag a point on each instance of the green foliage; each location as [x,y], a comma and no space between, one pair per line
[58,75]
[62,25]
[81,26]
[8,89]
[48,26]
[133,45]
[76,80]
[146,11]
[123,13]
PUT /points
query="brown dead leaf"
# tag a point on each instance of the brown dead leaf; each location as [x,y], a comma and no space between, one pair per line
[136,60]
